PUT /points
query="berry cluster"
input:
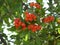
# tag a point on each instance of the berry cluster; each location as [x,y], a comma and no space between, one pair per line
[30,17]
[35,5]
[48,19]
[18,23]
[34,27]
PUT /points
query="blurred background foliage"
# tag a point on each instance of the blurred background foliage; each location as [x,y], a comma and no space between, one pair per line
[10,9]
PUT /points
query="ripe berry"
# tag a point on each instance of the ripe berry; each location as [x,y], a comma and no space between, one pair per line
[32,4]
[30,17]
[34,27]
[37,5]
[48,19]
[16,22]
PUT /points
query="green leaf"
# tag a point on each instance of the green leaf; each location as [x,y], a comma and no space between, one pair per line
[13,36]
[21,8]
[18,40]
[58,42]
[1,22]
[1,2]
[39,1]
[7,21]
[42,12]
[59,30]
[38,19]
[56,1]
[26,37]
[25,0]
[4,35]
[12,29]
[38,41]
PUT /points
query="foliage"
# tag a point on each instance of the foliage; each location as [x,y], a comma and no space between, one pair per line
[31,22]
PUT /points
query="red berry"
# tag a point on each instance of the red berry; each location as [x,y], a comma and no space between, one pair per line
[26,12]
[16,22]
[32,4]
[34,27]
[20,23]
[51,18]
[39,27]
[23,25]
[30,17]
[23,28]
[30,26]
[48,19]
[37,5]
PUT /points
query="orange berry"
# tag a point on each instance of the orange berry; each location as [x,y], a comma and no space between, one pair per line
[32,4]
[23,25]
[30,17]
[51,18]
[37,5]
[26,12]
[48,19]
[16,22]
[34,27]
[20,23]
[23,28]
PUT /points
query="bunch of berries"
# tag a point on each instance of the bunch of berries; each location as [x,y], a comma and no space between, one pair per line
[18,23]
[34,27]
[48,19]
[35,5]
[30,17]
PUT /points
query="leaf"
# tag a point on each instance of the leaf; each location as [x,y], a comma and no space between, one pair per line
[12,29]
[4,35]
[25,0]
[1,22]
[39,1]
[38,41]
[38,19]
[58,42]
[26,37]
[26,42]
[59,30]
[21,8]
[56,1]
[7,21]
[1,2]
[13,36]
[18,40]
[42,12]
